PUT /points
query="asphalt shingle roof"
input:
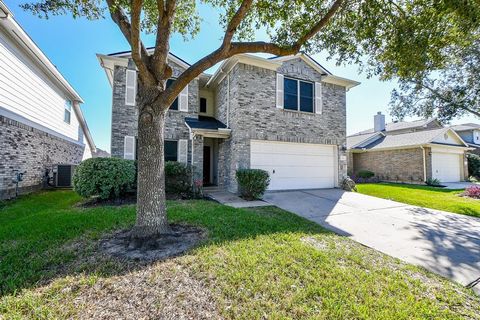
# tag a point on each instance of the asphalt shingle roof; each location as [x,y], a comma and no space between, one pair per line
[400,125]
[465,127]
[207,123]
[406,139]
[352,141]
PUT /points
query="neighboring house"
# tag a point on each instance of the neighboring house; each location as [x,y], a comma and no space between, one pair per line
[470,133]
[408,151]
[284,115]
[41,123]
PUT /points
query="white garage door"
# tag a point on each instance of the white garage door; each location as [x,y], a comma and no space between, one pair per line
[295,165]
[446,166]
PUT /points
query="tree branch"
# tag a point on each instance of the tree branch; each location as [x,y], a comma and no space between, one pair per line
[235,22]
[229,49]
[162,41]
[141,59]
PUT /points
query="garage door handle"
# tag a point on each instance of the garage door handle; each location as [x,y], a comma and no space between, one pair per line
[273,171]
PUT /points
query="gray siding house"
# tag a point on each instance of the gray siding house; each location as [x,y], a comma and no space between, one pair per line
[470,133]
[285,115]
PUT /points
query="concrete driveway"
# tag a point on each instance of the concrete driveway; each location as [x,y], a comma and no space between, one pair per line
[442,242]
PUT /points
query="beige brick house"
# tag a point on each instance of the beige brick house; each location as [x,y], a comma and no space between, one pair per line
[409,152]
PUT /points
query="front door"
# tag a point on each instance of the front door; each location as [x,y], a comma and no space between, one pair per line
[206,165]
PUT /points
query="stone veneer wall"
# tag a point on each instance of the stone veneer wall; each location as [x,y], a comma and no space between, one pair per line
[253,115]
[125,118]
[31,151]
[404,165]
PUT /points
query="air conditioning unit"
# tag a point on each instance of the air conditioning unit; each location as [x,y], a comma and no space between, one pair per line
[63,174]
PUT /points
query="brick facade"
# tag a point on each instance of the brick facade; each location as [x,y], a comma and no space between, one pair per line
[32,151]
[253,115]
[405,165]
[245,101]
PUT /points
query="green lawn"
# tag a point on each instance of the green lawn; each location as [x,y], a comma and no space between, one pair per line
[257,263]
[423,196]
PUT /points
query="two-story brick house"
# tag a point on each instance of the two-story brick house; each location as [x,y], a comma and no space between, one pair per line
[286,115]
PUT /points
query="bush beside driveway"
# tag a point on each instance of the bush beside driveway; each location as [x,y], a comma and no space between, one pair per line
[257,263]
[423,196]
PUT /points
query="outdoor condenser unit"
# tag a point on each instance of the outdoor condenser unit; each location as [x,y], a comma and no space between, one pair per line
[63,174]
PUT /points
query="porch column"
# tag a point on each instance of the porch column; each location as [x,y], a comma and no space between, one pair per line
[197,158]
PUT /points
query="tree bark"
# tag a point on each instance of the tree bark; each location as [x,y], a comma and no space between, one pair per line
[151,207]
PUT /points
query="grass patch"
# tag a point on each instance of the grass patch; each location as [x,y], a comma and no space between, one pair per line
[423,196]
[258,263]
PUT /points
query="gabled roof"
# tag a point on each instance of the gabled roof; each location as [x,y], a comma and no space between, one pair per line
[150,50]
[466,127]
[358,140]
[410,139]
[401,125]
[308,60]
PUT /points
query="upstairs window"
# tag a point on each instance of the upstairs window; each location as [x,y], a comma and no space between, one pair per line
[298,95]
[67,111]
[203,105]
[174,105]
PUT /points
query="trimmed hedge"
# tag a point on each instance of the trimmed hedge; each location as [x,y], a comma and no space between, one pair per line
[178,178]
[107,178]
[473,165]
[365,174]
[252,183]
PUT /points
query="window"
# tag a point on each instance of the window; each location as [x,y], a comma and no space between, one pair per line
[298,95]
[171,151]
[203,105]
[174,105]
[67,111]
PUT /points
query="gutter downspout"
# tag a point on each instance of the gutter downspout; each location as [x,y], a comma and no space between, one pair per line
[424,164]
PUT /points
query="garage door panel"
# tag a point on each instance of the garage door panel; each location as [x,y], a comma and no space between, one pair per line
[295,165]
[292,160]
[446,166]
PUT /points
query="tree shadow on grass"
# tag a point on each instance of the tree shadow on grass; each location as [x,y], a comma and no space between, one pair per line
[44,236]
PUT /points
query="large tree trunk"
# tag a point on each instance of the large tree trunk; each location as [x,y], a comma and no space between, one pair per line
[151,207]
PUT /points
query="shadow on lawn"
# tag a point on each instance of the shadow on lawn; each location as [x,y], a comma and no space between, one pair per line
[43,236]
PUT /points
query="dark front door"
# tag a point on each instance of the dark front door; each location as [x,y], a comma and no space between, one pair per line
[206,165]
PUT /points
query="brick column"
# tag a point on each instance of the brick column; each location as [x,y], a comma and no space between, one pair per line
[197,158]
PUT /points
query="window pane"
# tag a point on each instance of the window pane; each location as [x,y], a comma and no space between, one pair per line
[66,116]
[306,96]
[203,105]
[174,105]
[171,150]
[290,95]
[68,105]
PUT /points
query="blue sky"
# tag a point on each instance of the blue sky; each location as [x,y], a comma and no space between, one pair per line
[72,44]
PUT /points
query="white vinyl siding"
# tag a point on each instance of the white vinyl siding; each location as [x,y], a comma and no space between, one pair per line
[183,151]
[295,165]
[27,91]
[130,87]
[129,148]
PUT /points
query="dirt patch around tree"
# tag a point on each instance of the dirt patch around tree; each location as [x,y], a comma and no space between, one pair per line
[182,239]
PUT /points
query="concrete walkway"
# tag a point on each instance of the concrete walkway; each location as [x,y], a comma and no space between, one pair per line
[445,243]
[232,200]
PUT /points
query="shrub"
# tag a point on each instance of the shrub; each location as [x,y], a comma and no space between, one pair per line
[474,165]
[178,177]
[434,182]
[107,178]
[252,183]
[365,174]
[472,192]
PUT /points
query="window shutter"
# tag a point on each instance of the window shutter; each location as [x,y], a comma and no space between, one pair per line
[130,87]
[182,150]
[129,148]
[318,98]
[183,100]
[279,96]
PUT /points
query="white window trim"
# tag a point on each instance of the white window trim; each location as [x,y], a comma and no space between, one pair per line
[69,110]
[298,94]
